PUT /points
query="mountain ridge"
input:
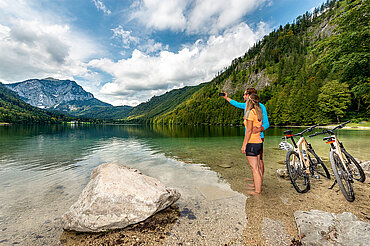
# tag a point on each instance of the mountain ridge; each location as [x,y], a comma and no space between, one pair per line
[49,92]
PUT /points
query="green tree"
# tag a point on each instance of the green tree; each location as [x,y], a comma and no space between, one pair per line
[362,92]
[334,99]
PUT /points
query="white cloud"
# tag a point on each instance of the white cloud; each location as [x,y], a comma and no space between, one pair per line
[160,14]
[33,45]
[127,41]
[147,75]
[125,36]
[193,16]
[151,46]
[100,5]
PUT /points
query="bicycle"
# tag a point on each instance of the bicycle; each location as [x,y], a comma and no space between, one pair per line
[345,167]
[300,164]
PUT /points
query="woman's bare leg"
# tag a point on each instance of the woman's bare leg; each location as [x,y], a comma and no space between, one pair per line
[257,174]
[260,167]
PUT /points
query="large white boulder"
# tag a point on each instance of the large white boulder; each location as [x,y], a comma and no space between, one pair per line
[115,197]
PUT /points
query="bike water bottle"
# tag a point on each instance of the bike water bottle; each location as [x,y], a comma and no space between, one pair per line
[304,154]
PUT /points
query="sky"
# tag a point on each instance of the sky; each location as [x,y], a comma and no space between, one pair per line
[126,51]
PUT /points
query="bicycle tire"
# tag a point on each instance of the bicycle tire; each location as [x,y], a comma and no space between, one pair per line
[297,174]
[358,174]
[341,175]
[319,166]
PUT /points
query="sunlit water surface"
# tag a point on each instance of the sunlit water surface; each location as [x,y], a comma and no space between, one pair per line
[43,169]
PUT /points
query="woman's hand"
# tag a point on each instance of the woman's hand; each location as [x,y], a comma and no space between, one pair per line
[257,129]
[225,95]
[243,148]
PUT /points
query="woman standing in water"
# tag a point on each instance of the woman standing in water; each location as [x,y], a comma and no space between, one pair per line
[252,144]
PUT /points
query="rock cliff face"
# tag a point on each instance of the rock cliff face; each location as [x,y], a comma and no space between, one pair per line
[49,92]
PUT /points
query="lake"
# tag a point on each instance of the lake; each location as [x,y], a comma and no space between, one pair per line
[43,169]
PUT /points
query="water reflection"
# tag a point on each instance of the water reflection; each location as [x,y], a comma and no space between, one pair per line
[44,168]
[42,172]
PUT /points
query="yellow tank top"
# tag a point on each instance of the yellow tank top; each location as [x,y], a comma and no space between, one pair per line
[252,116]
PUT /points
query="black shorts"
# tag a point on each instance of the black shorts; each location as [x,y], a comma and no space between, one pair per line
[253,149]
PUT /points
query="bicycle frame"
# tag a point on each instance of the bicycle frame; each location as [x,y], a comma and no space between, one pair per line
[302,145]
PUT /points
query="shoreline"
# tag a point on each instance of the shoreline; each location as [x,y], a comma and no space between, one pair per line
[329,127]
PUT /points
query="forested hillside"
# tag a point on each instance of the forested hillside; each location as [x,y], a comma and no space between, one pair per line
[315,70]
[92,108]
[160,105]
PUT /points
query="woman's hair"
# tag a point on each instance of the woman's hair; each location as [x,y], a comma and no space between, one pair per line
[250,91]
[253,103]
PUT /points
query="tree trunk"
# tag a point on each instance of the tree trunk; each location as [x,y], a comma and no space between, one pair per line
[358,105]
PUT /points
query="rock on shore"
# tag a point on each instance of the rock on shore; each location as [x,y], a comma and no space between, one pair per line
[282,173]
[323,228]
[115,197]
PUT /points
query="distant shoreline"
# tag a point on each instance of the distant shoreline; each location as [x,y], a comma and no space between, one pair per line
[330,126]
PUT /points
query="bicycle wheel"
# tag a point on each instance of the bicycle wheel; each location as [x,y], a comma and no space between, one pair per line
[297,173]
[355,169]
[318,165]
[342,176]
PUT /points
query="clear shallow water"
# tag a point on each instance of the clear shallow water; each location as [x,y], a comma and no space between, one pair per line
[43,169]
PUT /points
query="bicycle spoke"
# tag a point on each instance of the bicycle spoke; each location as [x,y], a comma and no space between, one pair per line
[297,173]
[344,179]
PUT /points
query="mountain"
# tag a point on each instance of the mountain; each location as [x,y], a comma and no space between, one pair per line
[49,92]
[61,96]
[315,70]
[15,110]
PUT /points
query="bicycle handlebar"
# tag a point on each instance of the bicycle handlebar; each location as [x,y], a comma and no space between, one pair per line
[318,133]
[331,131]
[302,132]
[305,130]
[341,125]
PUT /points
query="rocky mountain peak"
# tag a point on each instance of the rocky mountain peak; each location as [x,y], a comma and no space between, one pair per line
[49,92]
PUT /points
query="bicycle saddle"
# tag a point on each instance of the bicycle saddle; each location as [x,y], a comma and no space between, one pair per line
[288,132]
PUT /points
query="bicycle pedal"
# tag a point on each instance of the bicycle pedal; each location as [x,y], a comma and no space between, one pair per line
[335,182]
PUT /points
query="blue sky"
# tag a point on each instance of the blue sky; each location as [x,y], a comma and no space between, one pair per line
[126,51]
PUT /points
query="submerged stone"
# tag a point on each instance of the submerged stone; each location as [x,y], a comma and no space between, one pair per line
[224,165]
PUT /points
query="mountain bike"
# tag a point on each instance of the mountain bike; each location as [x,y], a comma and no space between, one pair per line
[300,163]
[345,167]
